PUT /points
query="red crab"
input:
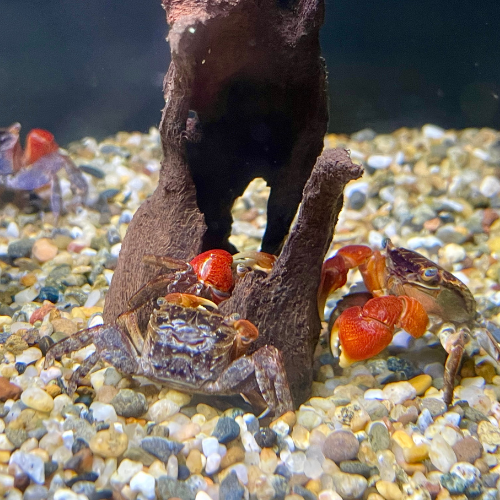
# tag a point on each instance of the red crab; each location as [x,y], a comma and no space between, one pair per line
[38,165]
[187,344]
[406,287]
[210,274]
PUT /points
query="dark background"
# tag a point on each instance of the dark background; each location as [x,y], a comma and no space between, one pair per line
[93,67]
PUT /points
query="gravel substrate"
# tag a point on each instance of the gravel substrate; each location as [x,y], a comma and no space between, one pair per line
[377,430]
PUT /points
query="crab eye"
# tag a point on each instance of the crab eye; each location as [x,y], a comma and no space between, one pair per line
[430,273]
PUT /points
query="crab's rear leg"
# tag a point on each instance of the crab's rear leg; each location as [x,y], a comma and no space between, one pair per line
[263,371]
[77,341]
[82,371]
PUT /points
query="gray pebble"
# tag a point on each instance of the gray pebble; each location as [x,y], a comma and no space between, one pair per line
[379,437]
[81,428]
[20,248]
[129,403]
[226,430]
[341,445]
[231,489]
[139,455]
[357,467]
[16,436]
[169,487]
[36,492]
[161,447]
[435,406]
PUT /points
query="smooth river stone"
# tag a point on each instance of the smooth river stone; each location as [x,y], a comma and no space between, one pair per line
[38,399]
[109,443]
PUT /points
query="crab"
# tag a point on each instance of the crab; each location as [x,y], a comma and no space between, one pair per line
[406,287]
[188,345]
[38,165]
[210,274]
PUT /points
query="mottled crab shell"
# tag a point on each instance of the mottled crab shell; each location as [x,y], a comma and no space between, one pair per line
[188,345]
[441,293]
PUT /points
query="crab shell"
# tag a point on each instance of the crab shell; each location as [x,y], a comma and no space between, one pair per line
[410,273]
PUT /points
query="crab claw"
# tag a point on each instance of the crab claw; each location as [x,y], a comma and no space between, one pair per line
[366,331]
[189,300]
[10,149]
[39,143]
[247,333]
[252,258]
[334,271]
[213,268]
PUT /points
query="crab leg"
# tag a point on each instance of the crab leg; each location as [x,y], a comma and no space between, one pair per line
[77,341]
[128,321]
[81,372]
[454,345]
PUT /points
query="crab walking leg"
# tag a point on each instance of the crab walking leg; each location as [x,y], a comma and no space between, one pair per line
[88,363]
[454,346]
[155,288]
[273,384]
[128,322]
[77,341]
[271,378]
[166,262]
[55,196]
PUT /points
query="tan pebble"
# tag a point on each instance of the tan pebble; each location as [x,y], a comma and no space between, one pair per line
[487,371]
[43,454]
[38,399]
[180,398]
[193,462]
[109,443]
[374,496]
[53,390]
[294,496]
[4,456]
[390,491]
[421,383]
[106,393]
[44,250]
[403,439]
[28,279]
[65,326]
[268,461]
[289,418]
[5,320]
[488,433]
[360,420]
[209,426]
[416,453]
[233,456]
[206,410]
[300,436]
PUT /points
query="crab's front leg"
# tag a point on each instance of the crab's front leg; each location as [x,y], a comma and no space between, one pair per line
[10,150]
[334,270]
[112,345]
[366,331]
[264,371]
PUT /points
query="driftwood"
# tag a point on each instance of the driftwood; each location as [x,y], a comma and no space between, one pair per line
[283,304]
[251,74]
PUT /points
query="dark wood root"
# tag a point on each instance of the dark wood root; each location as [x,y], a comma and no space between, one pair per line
[252,76]
[283,304]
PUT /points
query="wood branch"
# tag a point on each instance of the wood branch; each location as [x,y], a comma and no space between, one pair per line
[283,304]
[252,76]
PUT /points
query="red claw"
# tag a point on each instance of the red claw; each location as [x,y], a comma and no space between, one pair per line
[214,269]
[365,332]
[39,143]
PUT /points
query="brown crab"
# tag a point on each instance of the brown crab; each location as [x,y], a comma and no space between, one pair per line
[406,287]
[187,345]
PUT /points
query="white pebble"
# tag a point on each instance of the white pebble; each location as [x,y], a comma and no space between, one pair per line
[125,472]
[93,298]
[162,409]
[379,162]
[329,495]
[32,465]
[374,394]
[213,463]
[248,442]
[296,461]
[28,356]
[201,495]
[399,392]
[490,186]
[19,325]
[210,445]
[103,412]
[432,131]
[424,420]
[441,454]
[143,483]
[312,468]
[427,242]
[50,374]
[66,494]
[12,230]
[27,295]
[115,249]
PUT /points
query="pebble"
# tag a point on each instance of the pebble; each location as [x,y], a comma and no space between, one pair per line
[349,486]
[44,250]
[128,403]
[341,445]
[29,463]
[226,430]
[109,443]
[144,484]
[38,399]
[161,447]
[378,436]
[468,449]
[441,454]
[399,392]
[162,409]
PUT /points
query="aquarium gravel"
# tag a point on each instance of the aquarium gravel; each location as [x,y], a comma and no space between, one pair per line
[377,430]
